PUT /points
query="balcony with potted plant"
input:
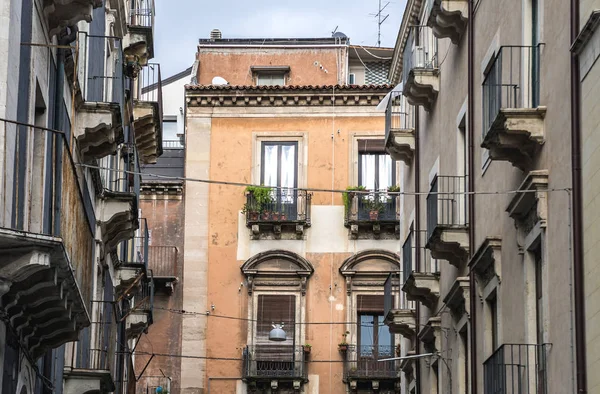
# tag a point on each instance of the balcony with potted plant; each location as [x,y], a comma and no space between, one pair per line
[277,213]
[372,214]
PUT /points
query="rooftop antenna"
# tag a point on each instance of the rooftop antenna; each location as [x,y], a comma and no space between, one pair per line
[334,30]
[380,19]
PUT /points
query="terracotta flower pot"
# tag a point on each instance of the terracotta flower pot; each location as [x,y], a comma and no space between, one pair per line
[342,348]
[307,349]
[373,215]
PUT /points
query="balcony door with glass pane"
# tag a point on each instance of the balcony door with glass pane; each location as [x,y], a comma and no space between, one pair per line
[374,338]
[376,169]
[280,171]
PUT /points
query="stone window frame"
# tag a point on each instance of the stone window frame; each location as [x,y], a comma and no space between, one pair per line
[365,282]
[300,137]
[353,157]
[276,282]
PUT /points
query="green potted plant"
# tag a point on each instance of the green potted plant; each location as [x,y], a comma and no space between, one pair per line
[275,216]
[307,348]
[375,207]
[343,346]
[261,197]
[348,196]
[393,189]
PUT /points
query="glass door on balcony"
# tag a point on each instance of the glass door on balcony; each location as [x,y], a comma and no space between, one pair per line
[376,169]
[374,338]
[279,163]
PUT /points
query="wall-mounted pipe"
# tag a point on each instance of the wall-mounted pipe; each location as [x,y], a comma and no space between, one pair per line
[471,187]
[577,195]
[417,161]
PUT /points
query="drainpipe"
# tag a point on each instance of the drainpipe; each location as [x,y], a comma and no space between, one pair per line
[69,35]
[578,269]
[471,188]
[218,378]
[418,245]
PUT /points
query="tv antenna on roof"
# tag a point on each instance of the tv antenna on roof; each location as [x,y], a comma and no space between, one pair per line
[334,30]
[380,19]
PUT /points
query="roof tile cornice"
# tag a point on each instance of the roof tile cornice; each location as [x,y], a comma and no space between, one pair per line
[293,95]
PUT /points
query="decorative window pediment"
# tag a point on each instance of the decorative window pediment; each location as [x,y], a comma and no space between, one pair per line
[277,268]
[529,206]
[369,268]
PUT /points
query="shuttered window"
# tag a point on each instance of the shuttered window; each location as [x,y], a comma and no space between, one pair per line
[275,309]
[370,303]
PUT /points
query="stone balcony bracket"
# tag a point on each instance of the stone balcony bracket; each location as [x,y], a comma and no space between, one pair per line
[402,321]
[423,287]
[401,144]
[422,87]
[449,243]
[136,323]
[406,365]
[529,207]
[431,335]
[486,262]
[39,292]
[148,130]
[119,218]
[126,278]
[516,136]
[457,298]
[79,381]
[63,13]
[448,19]
[139,45]
[99,130]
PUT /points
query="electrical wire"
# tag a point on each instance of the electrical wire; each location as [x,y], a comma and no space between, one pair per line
[375,56]
[319,190]
[363,63]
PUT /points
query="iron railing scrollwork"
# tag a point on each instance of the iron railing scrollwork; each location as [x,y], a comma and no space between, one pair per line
[362,361]
[283,206]
[273,361]
[372,206]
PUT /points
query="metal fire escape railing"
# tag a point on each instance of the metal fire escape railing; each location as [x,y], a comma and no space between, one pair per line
[447,203]
[420,52]
[362,362]
[512,81]
[516,369]
[273,361]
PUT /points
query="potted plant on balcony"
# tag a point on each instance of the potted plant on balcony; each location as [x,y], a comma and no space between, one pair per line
[343,346]
[348,196]
[307,348]
[398,350]
[275,216]
[393,189]
[261,197]
[375,207]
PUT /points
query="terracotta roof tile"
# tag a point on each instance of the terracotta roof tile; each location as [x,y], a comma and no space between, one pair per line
[287,87]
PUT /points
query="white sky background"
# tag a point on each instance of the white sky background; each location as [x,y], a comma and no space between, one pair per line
[180,23]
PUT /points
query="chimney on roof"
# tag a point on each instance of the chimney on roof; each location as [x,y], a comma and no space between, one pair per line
[215,34]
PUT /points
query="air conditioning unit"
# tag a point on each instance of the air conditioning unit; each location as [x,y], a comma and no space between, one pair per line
[420,57]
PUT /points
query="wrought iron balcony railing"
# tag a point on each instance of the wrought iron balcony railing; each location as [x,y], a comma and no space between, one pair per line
[280,207]
[362,362]
[137,248]
[447,203]
[143,14]
[420,52]
[513,81]
[273,362]
[143,296]
[373,206]
[516,369]
[399,114]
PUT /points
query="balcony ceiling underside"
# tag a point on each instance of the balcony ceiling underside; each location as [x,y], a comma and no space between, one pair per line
[139,44]
[447,19]
[422,287]
[63,13]
[120,218]
[422,87]
[99,131]
[147,127]
[39,293]
[450,243]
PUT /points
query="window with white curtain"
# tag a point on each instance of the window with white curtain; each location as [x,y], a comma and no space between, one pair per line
[376,169]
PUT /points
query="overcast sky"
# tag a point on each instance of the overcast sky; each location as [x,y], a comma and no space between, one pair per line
[180,23]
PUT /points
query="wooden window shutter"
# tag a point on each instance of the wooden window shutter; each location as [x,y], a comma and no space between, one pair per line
[369,303]
[275,309]
[371,146]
